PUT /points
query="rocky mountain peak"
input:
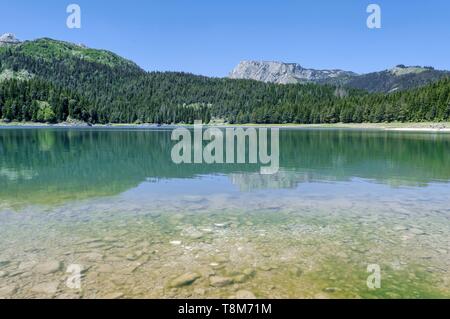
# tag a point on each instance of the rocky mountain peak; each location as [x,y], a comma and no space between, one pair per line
[8,38]
[401,77]
[283,73]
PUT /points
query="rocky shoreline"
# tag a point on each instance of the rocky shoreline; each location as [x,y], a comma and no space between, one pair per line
[443,127]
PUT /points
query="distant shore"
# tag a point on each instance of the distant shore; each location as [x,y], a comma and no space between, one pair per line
[441,127]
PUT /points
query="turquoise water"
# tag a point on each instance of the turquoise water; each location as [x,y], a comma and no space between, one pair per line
[113,202]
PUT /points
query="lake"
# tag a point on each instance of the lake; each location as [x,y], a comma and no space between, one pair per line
[112,202]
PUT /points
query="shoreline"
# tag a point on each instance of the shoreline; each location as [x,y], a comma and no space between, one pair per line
[438,127]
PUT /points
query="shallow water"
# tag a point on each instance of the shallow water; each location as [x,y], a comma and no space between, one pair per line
[112,202]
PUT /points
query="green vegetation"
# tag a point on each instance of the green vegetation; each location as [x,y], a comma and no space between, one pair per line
[100,87]
[38,101]
[400,78]
[50,50]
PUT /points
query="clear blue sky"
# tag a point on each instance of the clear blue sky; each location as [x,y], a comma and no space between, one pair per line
[211,36]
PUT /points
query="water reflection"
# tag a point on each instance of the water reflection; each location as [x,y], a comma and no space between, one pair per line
[54,165]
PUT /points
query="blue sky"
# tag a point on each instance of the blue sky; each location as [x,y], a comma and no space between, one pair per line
[211,36]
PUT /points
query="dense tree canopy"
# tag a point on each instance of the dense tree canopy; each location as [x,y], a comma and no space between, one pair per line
[69,86]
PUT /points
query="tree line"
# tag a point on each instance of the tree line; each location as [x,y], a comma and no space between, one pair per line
[73,88]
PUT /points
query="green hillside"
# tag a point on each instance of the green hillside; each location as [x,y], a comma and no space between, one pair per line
[51,50]
[98,86]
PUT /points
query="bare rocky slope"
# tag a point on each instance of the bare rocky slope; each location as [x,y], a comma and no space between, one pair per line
[284,73]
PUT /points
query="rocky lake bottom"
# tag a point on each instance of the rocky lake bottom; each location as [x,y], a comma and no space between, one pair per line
[244,245]
[109,210]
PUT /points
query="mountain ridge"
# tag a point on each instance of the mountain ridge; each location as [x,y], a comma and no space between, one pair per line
[54,81]
[400,77]
[283,73]
[51,49]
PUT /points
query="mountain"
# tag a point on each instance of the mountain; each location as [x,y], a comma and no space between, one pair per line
[8,39]
[50,50]
[47,80]
[399,78]
[285,73]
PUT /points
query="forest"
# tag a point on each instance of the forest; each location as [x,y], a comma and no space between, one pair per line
[64,86]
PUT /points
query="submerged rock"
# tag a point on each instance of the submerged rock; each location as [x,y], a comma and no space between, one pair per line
[417,231]
[240,278]
[217,281]
[216,266]
[249,272]
[130,269]
[89,241]
[221,259]
[48,288]
[26,265]
[196,235]
[200,291]
[109,239]
[92,256]
[7,291]
[400,228]
[245,294]
[18,273]
[222,225]
[135,256]
[267,268]
[48,267]
[105,268]
[184,280]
